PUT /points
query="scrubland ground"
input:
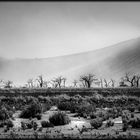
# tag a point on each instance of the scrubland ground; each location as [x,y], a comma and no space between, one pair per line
[64,116]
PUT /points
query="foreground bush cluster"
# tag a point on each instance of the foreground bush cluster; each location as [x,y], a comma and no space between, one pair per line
[130,120]
[32,111]
[96,109]
[59,118]
[29,125]
[96,123]
[83,105]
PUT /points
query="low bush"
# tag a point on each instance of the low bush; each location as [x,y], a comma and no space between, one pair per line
[105,116]
[138,108]
[30,99]
[131,108]
[84,110]
[100,114]
[29,125]
[130,120]
[9,123]
[93,115]
[45,124]
[4,114]
[65,106]
[109,123]
[132,115]
[32,110]
[34,124]
[113,113]
[135,122]
[59,118]
[38,116]
[68,105]
[46,106]
[42,99]
[64,97]
[125,126]
[23,125]
[1,124]
[96,123]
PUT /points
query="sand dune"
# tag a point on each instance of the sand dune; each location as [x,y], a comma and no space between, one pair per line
[109,62]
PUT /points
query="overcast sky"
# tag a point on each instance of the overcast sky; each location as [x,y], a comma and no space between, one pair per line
[48,29]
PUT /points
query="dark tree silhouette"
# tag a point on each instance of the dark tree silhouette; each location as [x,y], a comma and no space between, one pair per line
[132,79]
[137,79]
[40,80]
[107,83]
[57,82]
[87,80]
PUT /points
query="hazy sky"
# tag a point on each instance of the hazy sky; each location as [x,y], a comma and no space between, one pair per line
[47,29]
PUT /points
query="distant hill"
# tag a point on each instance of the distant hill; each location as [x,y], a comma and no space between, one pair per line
[109,62]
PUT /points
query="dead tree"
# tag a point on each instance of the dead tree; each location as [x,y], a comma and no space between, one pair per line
[101,82]
[40,80]
[30,83]
[8,84]
[75,83]
[107,83]
[54,84]
[87,80]
[122,83]
[113,83]
[130,79]
[137,79]
[64,81]
[45,84]
[57,82]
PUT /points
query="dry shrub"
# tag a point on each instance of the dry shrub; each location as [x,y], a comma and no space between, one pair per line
[45,124]
[33,110]
[96,123]
[59,118]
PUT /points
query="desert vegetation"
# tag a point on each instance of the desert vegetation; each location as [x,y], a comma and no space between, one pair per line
[38,111]
[43,114]
[85,81]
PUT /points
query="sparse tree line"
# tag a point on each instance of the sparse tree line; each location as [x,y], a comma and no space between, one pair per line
[40,82]
[6,84]
[85,81]
[132,80]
